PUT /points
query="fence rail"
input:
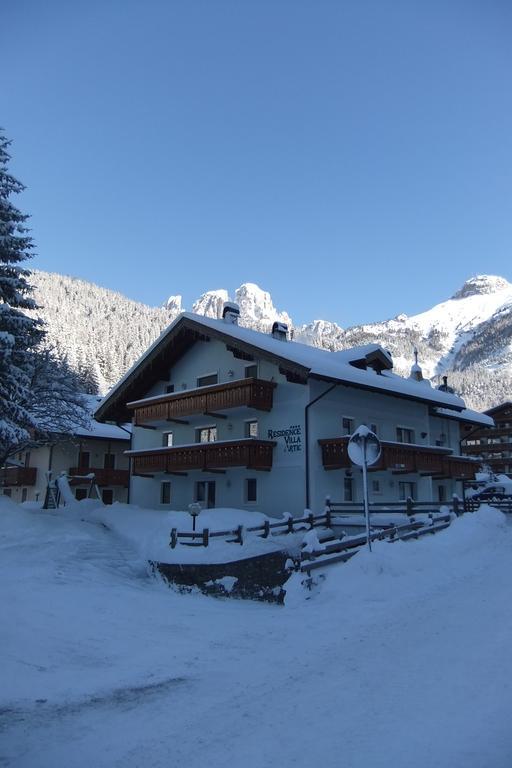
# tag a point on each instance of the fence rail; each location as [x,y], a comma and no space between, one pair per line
[343,548]
[339,548]
[408,507]
[289,525]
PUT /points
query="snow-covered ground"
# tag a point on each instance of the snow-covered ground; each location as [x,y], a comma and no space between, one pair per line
[399,658]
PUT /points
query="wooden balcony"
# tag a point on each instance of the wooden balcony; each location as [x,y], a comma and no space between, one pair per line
[483,449]
[460,468]
[402,458]
[102,476]
[250,453]
[17,476]
[249,393]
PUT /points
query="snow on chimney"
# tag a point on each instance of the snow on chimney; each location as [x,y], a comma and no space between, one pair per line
[230,312]
[280,331]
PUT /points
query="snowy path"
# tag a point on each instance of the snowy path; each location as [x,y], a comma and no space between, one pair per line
[402,660]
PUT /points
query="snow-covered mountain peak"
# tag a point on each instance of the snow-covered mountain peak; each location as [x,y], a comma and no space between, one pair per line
[481,285]
[173,305]
[211,303]
[257,307]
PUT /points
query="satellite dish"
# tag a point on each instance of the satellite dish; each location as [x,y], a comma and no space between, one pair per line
[364,447]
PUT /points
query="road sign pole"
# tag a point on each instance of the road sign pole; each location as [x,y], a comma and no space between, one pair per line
[365,496]
[364,451]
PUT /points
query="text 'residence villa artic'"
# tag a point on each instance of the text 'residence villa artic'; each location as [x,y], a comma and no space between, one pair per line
[232,417]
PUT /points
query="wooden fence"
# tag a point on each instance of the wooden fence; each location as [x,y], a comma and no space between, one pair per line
[422,518]
[289,525]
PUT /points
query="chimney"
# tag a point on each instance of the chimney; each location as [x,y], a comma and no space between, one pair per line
[280,331]
[445,388]
[230,312]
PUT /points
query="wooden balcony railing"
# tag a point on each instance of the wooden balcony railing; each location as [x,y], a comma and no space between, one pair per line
[459,468]
[251,393]
[18,476]
[250,453]
[402,458]
[485,448]
[102,476]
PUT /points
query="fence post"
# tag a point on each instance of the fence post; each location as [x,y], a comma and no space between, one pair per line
[240,534]
[206,537]
[409,506]
[328,517]
[174,538]
[456,507]
[311,520]
[290,524]
[266,529]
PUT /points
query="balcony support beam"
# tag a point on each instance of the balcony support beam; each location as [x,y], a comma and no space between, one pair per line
[178,421]
[215,415]
[214,471]
[178,474]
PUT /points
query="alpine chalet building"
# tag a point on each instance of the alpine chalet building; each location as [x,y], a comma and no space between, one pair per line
[232,417]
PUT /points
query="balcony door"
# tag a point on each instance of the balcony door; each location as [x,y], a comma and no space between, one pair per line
[205,493]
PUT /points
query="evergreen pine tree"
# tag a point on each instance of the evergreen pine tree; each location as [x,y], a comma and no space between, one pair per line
[19,333]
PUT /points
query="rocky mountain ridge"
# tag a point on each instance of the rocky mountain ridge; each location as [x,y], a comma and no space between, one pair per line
[468,336]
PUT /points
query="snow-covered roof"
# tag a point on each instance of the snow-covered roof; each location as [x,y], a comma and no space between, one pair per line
[98,429]
[472,417]
[312,361]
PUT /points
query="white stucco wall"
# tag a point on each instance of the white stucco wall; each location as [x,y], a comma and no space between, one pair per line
[284,488]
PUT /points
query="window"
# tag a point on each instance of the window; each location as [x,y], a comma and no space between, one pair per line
[205,493]
[84,458]
[251,371]
[251,429]
[376,486]
[348,489]
[441,493]
[80,493]
[109,461]
[406,491]
[165,493]
[23,495]
[347,426]
[404,435]
[206,435]
[168,439]
[251,489]
[204,381]
[169,389]
[7,491]
[107,496]
[27,459]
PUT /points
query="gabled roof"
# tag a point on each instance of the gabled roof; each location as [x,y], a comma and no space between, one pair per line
[498,408]
[297,361]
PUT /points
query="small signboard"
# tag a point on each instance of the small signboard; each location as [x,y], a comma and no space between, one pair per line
[364,446]
[364,451]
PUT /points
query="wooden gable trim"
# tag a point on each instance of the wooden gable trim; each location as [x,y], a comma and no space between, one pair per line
[170,348]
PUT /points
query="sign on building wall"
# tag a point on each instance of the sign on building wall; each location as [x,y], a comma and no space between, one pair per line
[289,443]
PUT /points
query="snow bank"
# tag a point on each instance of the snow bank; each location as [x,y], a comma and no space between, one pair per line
[408,568]
[149,531]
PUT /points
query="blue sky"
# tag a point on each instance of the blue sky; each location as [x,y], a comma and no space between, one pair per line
[354,158]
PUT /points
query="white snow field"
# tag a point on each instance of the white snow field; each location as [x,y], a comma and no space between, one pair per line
[400,658]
